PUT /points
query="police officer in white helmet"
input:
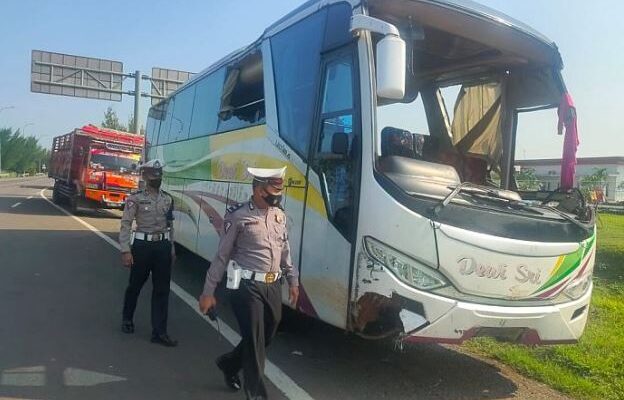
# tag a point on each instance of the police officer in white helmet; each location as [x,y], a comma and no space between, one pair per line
[148,250]
[255,249]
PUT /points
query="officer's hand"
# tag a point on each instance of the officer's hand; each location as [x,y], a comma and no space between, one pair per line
[206,303]
[293,295]
[126,259]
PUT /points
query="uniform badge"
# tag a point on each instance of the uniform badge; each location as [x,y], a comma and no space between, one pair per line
[279,218]
[227,226]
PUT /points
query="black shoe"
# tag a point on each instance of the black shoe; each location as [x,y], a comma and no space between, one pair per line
[165,340]
[231,380]
[127,327]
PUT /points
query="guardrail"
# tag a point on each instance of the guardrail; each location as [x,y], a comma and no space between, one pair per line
[611,209]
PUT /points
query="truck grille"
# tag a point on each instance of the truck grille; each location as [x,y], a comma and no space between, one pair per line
[119,188]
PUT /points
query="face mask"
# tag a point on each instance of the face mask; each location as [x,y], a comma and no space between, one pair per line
[154,183]
[272,199]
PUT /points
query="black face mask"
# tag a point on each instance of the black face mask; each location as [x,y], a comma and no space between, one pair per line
[273,199]
[154,183]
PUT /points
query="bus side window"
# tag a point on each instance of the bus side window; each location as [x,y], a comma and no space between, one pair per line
[296,61]
[168,106]
[242,98]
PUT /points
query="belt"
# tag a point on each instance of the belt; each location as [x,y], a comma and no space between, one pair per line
[151,237]
[266,277]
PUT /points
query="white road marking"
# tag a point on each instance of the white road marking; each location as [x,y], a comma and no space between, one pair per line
[29,197]
[282,381]
[83,377]
[24,376]
[16,204]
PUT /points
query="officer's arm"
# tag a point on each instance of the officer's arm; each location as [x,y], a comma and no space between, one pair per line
[290,271]
[220,261]
[125,232]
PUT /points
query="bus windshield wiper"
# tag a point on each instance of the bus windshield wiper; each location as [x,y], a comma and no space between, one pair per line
[450,196]
[567,217]
[477,191]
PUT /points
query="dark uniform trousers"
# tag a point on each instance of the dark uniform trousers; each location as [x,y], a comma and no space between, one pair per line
[258,310]
[154,257]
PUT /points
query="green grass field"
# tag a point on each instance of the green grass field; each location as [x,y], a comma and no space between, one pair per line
[593,368]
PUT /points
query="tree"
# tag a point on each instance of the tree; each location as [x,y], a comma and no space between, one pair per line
[131,125]
[527,180]
[111,120]
[597,180]
[21,154]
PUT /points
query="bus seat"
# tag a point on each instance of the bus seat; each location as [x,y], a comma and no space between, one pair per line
[340,143]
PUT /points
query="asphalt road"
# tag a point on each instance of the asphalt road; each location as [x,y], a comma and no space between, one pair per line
[61,288]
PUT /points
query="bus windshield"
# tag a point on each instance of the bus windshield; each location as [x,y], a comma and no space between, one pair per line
[463,93]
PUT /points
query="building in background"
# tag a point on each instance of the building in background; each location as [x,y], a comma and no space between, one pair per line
[548,172]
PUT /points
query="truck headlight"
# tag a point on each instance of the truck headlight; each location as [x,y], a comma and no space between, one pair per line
[404,267]
[578,287]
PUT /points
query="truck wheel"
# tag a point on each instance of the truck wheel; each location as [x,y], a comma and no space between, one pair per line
[55,195]
[73,204]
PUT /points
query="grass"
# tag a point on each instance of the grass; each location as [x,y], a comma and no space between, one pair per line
[594,367]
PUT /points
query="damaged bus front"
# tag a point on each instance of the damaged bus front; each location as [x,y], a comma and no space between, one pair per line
[448,248]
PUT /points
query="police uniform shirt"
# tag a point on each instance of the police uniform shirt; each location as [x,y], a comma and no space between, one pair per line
[153,212]
[257,239]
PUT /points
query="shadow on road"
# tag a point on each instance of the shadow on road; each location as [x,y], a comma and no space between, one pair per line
[60,303]
[324,359]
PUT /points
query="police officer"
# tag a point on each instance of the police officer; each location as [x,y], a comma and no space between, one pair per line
[256,240]
[148,250]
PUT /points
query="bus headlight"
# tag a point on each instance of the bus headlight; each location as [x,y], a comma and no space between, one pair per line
[404,267]
[578,287]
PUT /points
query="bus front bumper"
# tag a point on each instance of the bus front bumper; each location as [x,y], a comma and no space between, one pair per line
[552,324]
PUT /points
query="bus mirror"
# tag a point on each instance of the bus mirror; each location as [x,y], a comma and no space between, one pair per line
[391,67]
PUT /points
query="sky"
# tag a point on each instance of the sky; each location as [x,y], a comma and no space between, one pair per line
[189,35]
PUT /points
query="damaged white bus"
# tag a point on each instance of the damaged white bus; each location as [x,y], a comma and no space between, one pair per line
[404,217]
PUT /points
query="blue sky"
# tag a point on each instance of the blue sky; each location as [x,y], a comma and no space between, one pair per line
[190,35]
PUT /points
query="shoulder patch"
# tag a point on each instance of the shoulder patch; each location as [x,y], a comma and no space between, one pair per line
[235,207]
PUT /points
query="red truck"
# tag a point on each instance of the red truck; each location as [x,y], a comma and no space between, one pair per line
[95,167]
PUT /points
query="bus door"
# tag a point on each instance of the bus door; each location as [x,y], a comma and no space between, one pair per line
[329,220]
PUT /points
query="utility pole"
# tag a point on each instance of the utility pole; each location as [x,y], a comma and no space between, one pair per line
[137,101]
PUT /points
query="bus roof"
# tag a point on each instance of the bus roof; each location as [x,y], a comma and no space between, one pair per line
[468,8]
